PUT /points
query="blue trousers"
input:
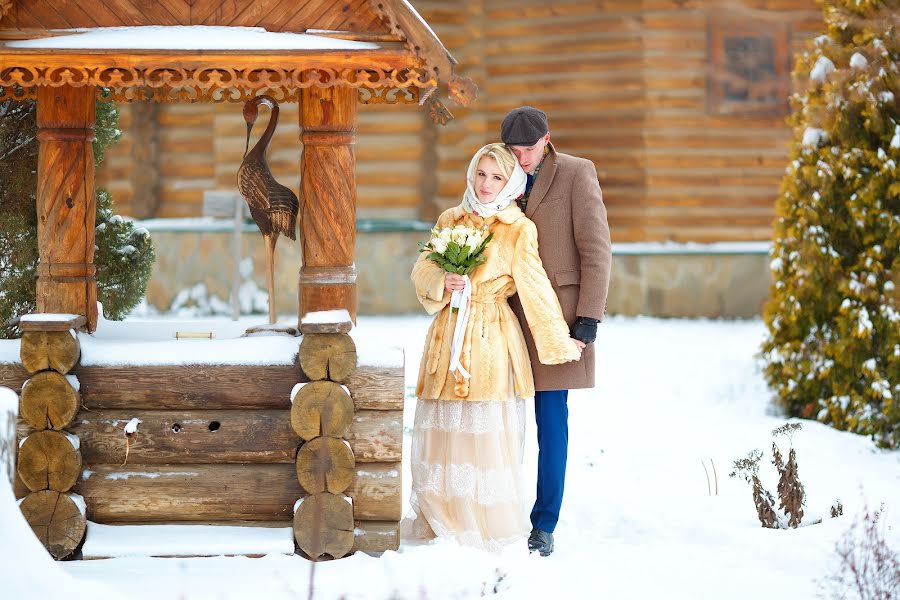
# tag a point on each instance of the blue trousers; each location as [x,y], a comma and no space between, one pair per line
[551,411]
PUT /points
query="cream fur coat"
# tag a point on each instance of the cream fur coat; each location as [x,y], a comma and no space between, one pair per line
[493,343]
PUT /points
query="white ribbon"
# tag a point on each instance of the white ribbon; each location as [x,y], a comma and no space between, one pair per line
[461,299]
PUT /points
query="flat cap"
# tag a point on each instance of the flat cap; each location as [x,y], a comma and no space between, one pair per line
[524,126]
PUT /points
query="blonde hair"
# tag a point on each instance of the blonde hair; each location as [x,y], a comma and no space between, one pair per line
[506,160]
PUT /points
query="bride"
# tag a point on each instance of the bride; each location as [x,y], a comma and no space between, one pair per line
[468,435]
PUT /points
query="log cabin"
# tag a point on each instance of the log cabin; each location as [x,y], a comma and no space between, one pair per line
[680,104]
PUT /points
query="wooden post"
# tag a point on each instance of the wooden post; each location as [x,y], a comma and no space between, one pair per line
[66,203]
[328,199]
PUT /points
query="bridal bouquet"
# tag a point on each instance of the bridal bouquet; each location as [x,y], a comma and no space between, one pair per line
[457,250]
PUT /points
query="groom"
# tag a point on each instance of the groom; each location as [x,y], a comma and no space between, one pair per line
[563,199]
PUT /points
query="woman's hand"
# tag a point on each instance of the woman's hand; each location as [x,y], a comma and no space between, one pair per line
[581,345]
[454,282]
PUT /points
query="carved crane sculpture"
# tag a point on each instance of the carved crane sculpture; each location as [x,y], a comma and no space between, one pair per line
[273,206]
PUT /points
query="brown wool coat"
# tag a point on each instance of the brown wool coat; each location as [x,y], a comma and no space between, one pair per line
[566,205]
[493,342]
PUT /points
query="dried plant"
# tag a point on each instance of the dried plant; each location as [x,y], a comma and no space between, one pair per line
[869,569]
[748,469]
[837,509]
[791,494]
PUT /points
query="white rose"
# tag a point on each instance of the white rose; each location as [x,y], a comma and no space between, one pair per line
[444,235]
[439,245]
[474,240]
[459,235]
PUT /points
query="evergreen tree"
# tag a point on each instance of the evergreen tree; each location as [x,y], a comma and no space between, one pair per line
[123,256]
[833,345]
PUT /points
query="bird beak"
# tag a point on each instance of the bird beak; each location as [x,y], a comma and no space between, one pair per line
[247,147]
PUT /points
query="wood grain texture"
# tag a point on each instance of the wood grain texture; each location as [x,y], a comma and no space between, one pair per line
[56,521]
[323,524]
[57,350]
[321,408]
[48,461]
[329,356]
[182,387]
[66,204]
[192,492]
[374,537]
[275,15]
[328,192]
[246,437]
[13,376]
[215,387]
[49,401]
[325,464]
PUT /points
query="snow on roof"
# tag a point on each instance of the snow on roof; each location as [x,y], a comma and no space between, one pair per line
[184,37]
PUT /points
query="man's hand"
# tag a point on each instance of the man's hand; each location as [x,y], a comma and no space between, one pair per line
[584,329]
[454,282]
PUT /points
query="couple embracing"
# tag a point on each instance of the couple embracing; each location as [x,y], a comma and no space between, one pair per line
[527,331]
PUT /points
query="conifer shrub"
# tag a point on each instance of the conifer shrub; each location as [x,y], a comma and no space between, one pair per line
[832,351]
[123,255]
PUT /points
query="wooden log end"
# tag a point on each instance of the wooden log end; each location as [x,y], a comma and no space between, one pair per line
[57,350]
[57,521]
[48,460]
[321,408]
[49,401]
[323,525]
[325,464]
[329,356]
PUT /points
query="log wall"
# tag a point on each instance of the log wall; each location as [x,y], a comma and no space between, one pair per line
[625,82]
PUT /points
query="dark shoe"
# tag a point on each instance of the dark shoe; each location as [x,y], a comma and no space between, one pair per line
[540,541]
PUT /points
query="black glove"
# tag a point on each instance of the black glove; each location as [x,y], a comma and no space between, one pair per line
[584,329]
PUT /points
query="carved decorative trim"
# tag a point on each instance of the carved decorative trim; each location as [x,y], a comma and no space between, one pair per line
[408,95]
[205,85]
[438,112]
[5,5]
[420,40]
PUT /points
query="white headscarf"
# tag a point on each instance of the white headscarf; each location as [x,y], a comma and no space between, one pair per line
[513,189]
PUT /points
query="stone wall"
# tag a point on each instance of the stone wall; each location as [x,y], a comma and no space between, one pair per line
[714,280]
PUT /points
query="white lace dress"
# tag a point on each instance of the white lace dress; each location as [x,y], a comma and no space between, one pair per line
[467,472]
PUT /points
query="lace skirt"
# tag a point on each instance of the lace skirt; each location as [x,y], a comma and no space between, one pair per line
[467,472]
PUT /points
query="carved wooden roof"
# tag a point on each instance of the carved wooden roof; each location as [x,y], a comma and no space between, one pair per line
[378,46]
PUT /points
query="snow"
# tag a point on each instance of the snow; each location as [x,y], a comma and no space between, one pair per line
[858,61]
[132,425]
[149,341]
[9,352]
[821,70]
[47,317]
[193,37]
[105,541]
[691,248]
[326,316]
[9,401]
[73,439]
[813,136]
[73,381]
[895,141]
[637,521]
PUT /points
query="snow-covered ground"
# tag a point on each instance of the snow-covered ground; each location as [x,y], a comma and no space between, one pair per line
[638,520]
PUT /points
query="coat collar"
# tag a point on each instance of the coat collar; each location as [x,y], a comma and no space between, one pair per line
[508,215]
[543,181]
